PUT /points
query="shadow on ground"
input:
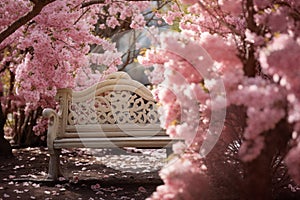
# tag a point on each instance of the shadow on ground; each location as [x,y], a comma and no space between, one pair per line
[89,174]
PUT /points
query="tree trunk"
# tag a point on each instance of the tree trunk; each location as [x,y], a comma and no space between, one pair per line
[257,182]
[5,147]
[258,174]
[23,129]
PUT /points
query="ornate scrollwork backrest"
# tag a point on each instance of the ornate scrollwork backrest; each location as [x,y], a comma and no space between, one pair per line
[118,100]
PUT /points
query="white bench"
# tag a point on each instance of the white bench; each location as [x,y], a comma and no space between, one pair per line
[118,112]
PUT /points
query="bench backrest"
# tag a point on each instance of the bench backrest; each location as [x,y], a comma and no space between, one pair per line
[118,106]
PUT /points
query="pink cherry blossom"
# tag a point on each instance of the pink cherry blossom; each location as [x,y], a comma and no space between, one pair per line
[237,36]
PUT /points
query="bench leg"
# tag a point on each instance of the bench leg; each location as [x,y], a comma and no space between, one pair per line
[54,171]
[169,151]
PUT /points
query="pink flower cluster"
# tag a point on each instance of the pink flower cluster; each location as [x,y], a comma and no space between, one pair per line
[56,46]
[11,11]
[179,175]
[122,11]
[108,61]
[138,22]
[41,126]
[271,97]
[57,42]
[182,70]
[180,92]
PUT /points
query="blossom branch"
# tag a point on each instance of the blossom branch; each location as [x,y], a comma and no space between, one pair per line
[92,2]
[221,21]
[37,8]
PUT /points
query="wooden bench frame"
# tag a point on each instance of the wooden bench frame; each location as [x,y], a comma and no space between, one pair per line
[118,112]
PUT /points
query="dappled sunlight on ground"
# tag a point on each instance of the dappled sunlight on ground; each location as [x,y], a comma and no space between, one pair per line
[89,174]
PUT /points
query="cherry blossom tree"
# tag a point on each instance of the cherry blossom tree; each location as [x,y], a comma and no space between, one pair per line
[255,49]
[46,45]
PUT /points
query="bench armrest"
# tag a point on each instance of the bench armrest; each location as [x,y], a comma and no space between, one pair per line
[52,126]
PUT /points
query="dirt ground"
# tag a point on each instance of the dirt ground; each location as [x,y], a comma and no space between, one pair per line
[89,174]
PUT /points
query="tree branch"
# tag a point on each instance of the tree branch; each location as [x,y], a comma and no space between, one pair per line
[37,8]
[92,2]
[220,20]
[250,12]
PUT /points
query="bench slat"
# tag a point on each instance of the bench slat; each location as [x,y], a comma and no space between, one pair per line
[112,127]
[139,142]
[136,133]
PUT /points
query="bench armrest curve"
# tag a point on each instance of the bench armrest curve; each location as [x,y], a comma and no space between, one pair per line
[52,115]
